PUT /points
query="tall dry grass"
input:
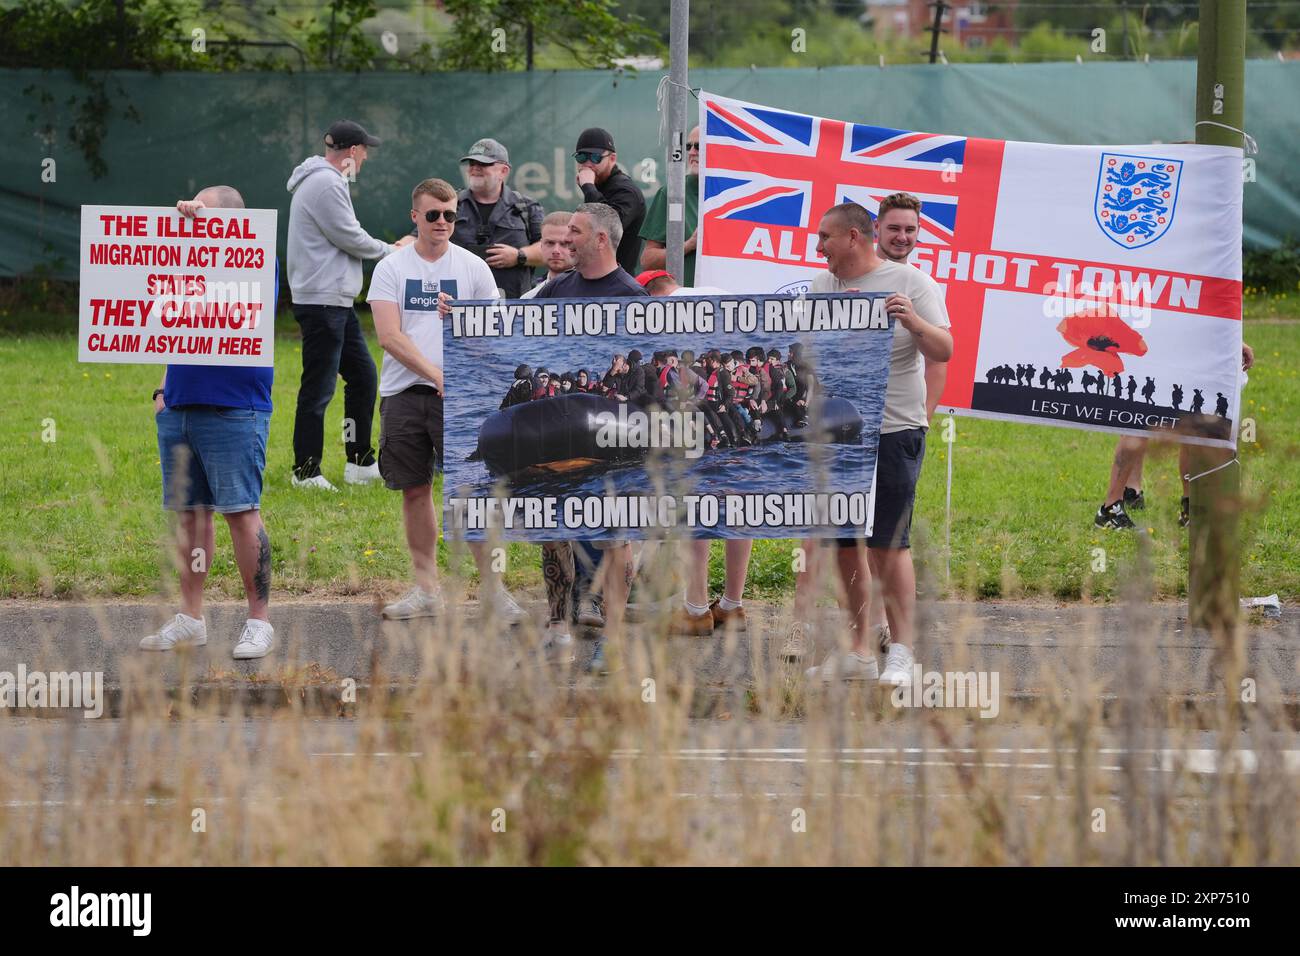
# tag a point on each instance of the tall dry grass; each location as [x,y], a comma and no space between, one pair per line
[732,759]
[465,747]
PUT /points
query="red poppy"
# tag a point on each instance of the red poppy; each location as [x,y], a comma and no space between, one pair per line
[1099,338]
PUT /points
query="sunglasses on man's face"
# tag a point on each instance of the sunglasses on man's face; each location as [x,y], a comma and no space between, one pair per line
[692,147]
[448,215]
[475,164]
[590,156]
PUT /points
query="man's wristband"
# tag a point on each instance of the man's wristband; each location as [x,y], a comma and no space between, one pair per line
[156,393]
[523,258]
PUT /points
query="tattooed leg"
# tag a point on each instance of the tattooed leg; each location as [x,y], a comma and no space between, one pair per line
[557,571]
[253,555]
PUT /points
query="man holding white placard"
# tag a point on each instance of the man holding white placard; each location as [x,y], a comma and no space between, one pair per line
[212,424]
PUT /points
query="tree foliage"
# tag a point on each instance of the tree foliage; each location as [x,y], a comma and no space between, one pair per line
[493,35]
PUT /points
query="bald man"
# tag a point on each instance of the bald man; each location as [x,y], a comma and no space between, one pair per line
[212,423]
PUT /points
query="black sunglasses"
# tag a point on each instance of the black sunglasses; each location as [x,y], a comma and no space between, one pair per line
[590,156]
[692,147]
[448,215]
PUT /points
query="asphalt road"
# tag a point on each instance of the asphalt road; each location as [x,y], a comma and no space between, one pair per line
[1034,648]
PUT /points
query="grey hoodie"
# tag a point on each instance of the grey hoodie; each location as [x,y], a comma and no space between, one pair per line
[326,243]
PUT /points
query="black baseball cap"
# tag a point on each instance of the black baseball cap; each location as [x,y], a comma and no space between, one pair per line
[345,133]
[595,138]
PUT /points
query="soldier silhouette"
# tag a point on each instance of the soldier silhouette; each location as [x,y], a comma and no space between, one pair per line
[1198,401]
[1044,378]
[1088,381]
[1221,406]
[1020,374]
[1029,375]
[1149,389]
[1068,377]
[1132,387]
[990,375]
[1178,398]
[1118,385]
[1101,383]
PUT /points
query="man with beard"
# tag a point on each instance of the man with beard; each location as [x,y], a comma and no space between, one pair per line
[496,223]
[655,228]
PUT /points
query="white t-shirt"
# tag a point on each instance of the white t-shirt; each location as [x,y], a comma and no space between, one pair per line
[413,283]
[905,395]
[532,293]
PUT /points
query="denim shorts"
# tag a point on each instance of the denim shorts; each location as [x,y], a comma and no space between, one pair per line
[212,457]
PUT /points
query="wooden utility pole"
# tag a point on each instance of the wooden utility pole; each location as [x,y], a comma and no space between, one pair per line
[1214,565]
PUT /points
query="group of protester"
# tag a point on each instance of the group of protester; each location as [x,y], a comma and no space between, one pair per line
[484,241]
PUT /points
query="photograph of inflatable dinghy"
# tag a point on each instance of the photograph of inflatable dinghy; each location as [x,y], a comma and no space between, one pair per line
[582,426]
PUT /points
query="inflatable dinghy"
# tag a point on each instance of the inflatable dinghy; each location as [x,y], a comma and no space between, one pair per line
[558,435]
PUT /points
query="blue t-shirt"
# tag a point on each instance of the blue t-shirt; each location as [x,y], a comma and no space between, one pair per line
[226,386]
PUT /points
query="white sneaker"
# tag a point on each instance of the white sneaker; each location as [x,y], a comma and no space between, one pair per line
[416,602]
[503,606]
[317,481]
[798,643]
[361,474]
[558,645]
[898,667]
[256,640]
[845,665]
[180,631]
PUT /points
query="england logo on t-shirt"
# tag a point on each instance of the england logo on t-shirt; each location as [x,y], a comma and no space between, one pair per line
[422,294]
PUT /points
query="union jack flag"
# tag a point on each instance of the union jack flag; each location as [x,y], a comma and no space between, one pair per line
[775,168]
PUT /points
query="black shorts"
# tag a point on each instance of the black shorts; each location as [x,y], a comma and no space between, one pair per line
[898,466]
[410,437]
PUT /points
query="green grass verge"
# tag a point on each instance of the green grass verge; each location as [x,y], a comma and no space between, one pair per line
[80,515]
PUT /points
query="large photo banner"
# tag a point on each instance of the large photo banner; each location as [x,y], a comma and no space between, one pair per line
[708,416]
[1088,286]
[159,287]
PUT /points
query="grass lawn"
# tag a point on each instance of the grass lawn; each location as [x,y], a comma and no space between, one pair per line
[80,514]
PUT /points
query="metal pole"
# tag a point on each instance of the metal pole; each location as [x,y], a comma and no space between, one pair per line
[678,45]
[1214,565]
[947,514]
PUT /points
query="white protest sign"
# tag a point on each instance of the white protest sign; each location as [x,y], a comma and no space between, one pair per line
[159,287]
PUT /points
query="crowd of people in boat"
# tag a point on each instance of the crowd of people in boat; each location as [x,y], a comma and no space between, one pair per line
[734,390]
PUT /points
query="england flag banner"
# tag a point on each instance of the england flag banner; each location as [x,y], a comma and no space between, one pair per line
[1088,286]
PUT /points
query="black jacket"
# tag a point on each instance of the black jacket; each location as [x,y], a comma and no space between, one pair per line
[634,385]
[627,200]
[515,220]
[520,392]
